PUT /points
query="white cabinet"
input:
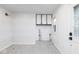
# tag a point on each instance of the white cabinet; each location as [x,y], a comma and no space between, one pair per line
[49,18]
[43,19]
[38,19]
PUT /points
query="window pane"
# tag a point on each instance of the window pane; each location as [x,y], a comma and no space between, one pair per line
[38,19]
[76,21]
[43,19]
[48,19]
[76,9]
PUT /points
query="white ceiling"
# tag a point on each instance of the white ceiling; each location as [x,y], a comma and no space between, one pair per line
[30,8]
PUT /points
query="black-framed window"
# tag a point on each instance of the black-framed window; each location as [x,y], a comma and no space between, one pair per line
[43,19]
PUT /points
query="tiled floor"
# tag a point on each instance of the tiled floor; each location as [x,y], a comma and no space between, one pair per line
[41,47]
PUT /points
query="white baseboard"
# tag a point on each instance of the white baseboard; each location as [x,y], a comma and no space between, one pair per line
[25,43]
[5,45]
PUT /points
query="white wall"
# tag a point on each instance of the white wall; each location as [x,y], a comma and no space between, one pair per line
[5,29]
[64,23]
[24,28]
